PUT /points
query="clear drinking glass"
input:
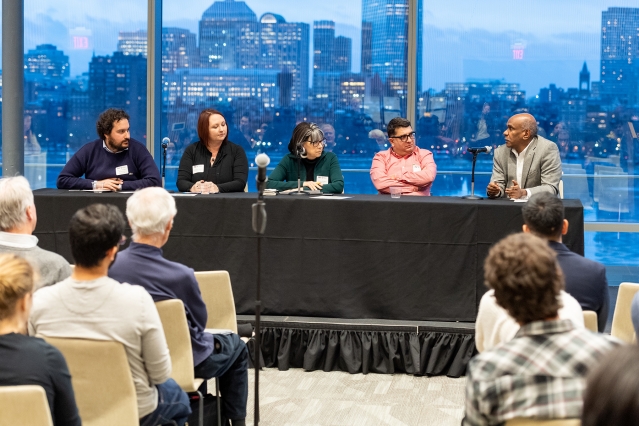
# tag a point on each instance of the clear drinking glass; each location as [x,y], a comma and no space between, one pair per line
[396,192]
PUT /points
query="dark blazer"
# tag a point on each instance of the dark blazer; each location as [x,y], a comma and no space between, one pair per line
[229,171]
[585,281]
[542,167]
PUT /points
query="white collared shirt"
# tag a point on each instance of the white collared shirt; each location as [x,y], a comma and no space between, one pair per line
[21,241]
[521,157]
[104,145]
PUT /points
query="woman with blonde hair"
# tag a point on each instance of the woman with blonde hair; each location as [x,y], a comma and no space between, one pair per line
[29,360]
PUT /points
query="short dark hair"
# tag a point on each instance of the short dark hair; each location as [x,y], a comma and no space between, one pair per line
[544,214]
[612,390]
[302,132]
[396,123]
[94,230]
[203,125]
[107,119]
[523,271]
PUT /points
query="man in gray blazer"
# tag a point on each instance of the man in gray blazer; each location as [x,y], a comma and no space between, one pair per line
[526,164]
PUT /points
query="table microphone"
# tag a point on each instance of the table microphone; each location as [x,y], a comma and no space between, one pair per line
[262,160]
[165,142]
[479,149]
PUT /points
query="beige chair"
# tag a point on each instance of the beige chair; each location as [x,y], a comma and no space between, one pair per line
[533,422]
[561,189]
[622,327]
[102,382]
[217,294]
[178,339]
[24,405]
[590,320]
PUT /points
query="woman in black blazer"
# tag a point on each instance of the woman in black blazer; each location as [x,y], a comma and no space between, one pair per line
[213,161]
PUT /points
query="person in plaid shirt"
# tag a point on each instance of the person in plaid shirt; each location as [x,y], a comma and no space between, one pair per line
[541,373]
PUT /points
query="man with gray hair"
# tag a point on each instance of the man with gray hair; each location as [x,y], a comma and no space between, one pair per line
[18,220]
[526,164]
[151,212]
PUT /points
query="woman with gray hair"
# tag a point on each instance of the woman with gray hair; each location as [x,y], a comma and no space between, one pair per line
[319,170]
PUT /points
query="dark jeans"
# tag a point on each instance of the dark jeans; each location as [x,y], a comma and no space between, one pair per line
[173,404]
[228,362]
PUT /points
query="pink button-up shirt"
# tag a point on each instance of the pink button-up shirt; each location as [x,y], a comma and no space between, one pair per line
[414,173]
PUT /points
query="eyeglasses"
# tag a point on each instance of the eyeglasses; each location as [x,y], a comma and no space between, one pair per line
[404,138]
[122,241]
[317,144]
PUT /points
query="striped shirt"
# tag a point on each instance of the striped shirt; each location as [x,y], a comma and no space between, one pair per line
[541,373]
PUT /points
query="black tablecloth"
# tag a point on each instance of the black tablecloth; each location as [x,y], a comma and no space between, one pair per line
[370,256]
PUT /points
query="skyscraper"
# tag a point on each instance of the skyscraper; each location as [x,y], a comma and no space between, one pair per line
[47,61]
[179,49]
[323,45]
[132,42]
[620,54]
[388,39]
[342,54]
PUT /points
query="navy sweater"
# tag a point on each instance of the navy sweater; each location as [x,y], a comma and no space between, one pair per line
[96,163]
[144,265]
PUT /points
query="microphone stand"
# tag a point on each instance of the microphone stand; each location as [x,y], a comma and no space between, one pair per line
[299,181]
[164,146]
[259,226]
[472,195]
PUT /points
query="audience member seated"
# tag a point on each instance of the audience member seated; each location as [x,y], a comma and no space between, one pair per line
[612,390]
[29,360]
[404,165]
[113,162]
[329,137]
[318,170]
[541,373]
[17,222]
[90,305]
[151,212]
[526,164]
[213,161]
[585,279]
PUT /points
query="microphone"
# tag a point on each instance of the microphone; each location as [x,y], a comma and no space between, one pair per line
[479,149]
[262,160]
[165,142]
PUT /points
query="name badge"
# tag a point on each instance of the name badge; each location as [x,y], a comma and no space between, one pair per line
[416,168]
[323,180]
[198,168]
[122,170]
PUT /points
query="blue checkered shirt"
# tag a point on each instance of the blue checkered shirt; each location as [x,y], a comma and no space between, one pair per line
[541,373]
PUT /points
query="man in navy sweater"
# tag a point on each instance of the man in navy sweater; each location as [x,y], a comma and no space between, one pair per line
[585,279]
[114,161]
[150,212]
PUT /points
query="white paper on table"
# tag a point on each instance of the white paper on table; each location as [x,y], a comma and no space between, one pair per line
[328,197]
[519,200]
[218,331]
[183,194]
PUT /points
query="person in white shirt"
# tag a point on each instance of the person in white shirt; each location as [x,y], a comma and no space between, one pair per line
[18,220]
[526,164]
[90,305]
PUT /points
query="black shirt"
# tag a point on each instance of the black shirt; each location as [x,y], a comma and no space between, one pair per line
[229,171]
[310,168]
[31,361]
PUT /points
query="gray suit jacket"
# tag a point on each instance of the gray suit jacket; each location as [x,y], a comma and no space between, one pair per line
[542,167]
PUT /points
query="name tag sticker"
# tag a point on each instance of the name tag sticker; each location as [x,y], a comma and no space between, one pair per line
[323,180]
[199,168]
[122,170]
[416,168]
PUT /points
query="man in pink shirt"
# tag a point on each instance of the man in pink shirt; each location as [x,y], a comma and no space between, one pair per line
[403,165]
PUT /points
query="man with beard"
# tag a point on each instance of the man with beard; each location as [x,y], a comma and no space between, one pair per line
[114,162]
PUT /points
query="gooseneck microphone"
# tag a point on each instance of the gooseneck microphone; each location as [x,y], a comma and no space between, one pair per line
[165,142]
[165,145]
[479,149]
[262,160]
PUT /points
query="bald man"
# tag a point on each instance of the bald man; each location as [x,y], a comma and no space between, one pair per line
[526,164]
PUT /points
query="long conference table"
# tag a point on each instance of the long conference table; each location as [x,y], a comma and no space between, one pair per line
[368,256]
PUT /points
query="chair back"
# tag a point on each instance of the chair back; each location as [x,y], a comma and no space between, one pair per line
[217,294]
[24,405]
[533,422]
[622,327]
[590,320]
[102,381]
[178,339]
[561,189]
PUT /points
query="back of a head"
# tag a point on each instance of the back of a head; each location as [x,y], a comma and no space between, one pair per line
[523,271]
[302,132]
[94,230]
[16,280]
[15,197]
[396,123]
[612,390]
[149,211]
[544,215]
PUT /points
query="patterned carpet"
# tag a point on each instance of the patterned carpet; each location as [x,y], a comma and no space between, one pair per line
[297,397]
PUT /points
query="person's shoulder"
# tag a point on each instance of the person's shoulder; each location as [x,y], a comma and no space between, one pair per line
[138,147]
[234,146]
[577,262]
[131,293]
[597,343]
[89,146]
[50,256]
